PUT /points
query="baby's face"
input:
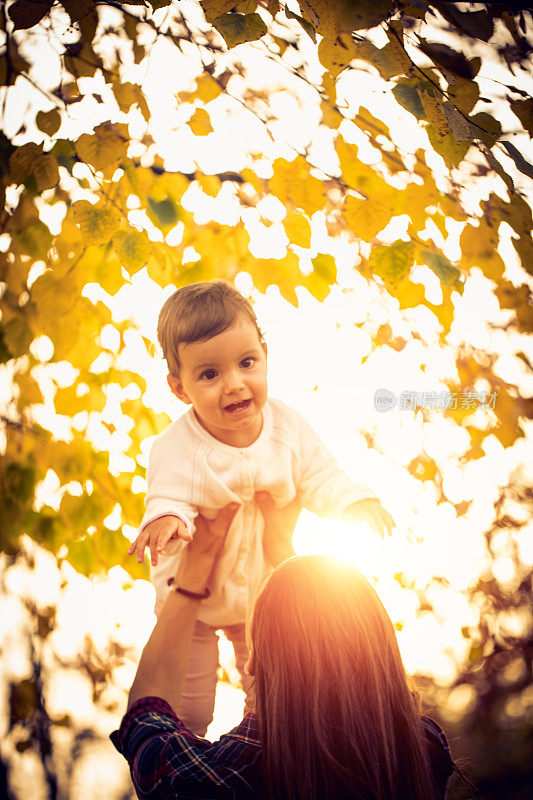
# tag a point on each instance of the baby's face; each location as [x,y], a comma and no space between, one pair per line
[225,379]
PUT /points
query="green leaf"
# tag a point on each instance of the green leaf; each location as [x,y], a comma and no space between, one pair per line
[407,95]
[239,28]
[166,211]
[485,127]
[392,263]
[441,266]
[97,223]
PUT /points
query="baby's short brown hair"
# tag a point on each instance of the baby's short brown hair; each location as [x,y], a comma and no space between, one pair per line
[198,312]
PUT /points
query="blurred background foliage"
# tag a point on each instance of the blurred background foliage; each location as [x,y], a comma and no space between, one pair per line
[91,199]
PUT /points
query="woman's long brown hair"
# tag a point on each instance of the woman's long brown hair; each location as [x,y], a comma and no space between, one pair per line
[336,716]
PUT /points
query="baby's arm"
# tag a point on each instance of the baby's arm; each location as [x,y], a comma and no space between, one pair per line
[329,492]
[372,512]
[169,515]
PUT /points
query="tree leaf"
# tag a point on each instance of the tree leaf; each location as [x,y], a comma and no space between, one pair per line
[103,149]
[199,123]
[297,229]
[133,249]
[48,122]
[165,212]
[366,218]
[392,263]
[446,57]
[22,160]
[46,172]
[26,13]
[448,147]
[520,162]
[293,184]
[524,111]
[485,127]
[97,223]
[239,28]
[441,266]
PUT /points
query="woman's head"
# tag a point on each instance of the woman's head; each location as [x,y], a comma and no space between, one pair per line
[336,715]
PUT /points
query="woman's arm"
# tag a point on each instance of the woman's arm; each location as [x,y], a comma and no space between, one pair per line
[279,527]
[165,658]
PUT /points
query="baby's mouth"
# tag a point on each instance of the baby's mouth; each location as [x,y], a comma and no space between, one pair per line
[240,406]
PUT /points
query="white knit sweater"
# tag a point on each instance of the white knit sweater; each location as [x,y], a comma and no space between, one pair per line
[189,470]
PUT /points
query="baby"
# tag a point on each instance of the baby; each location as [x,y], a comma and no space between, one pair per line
[235,442]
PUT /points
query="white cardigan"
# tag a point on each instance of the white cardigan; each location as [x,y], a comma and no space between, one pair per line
[190,470]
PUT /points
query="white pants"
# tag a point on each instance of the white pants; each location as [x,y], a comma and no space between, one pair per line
[197,700]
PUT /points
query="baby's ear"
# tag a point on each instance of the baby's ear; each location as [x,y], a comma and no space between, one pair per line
[265,348]
[176,387]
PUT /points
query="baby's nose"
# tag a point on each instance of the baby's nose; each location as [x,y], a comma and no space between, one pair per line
[233,381]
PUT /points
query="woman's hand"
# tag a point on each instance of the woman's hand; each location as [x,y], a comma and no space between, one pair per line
[279,527]
[199,556]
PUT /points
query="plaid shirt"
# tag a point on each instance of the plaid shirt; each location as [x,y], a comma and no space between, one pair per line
[168,762]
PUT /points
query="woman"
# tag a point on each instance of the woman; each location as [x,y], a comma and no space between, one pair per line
[334,715]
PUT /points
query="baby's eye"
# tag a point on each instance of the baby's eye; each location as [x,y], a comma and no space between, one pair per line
[248,362]
[208,375]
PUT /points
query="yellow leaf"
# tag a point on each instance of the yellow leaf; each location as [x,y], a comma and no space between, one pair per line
[321,15]
[97,223]
[67,402]
[284,273]
[366,218]
[207,88]
[394,33]
[336,54]
[103,149]
[100,264]
[46,172]
[128,95]
[331,117]
[199,123]
[250,177]
[479,249]
[29,391]
[293,184]
[464,94]
[363,14]
[214,8]
[322,277]
[22,160]
[298,229]
[51,300]
[432,104]
[210,184]
[48,121]
[448,147]
[360,176]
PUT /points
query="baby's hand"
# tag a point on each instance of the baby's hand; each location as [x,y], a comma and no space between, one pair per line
[372,512]
[156,534]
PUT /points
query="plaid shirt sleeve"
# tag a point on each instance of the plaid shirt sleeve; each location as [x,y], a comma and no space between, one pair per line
[440,758]
[168,761]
